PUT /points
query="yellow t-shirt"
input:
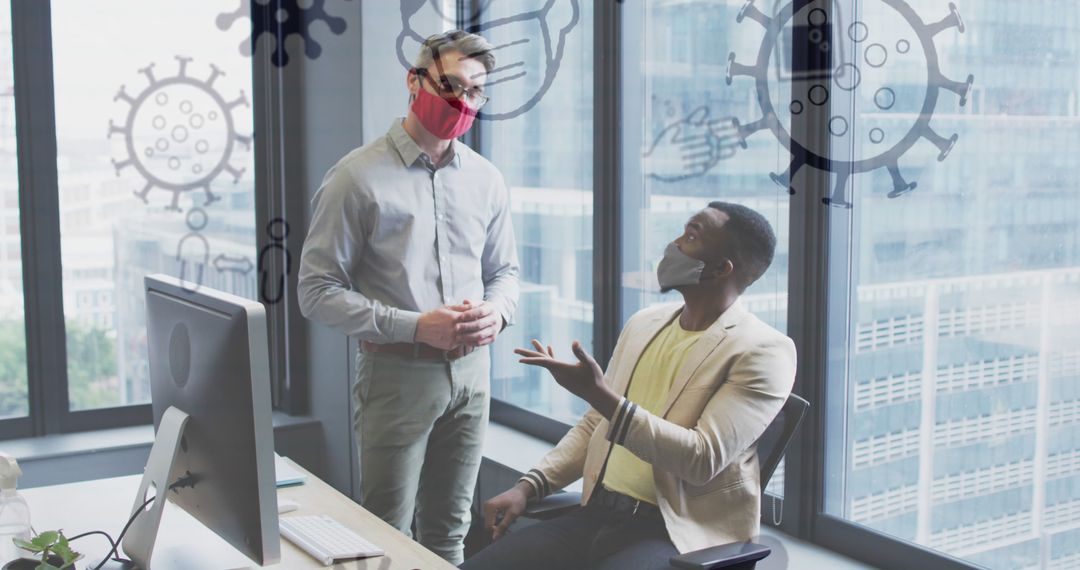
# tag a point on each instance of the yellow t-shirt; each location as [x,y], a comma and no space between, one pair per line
[649,387]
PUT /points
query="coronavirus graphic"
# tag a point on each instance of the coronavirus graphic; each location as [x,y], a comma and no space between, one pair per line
[179,133]
[890,42]
[281,19]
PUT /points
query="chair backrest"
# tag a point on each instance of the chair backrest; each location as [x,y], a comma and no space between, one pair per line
[773,443]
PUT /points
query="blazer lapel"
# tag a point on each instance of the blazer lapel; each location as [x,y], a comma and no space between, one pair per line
[705,346]
[636,342]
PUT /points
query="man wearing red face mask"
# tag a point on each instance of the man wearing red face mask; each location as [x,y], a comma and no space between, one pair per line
[411,251]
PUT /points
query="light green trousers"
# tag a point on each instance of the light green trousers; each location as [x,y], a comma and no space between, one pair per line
[420,431]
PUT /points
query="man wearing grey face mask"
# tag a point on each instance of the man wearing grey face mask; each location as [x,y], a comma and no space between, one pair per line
[667,451]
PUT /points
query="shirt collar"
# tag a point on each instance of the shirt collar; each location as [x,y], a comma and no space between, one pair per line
[410,152]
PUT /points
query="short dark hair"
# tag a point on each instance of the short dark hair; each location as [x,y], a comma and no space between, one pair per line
[750,242]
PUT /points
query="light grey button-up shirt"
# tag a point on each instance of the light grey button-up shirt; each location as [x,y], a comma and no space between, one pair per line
[392,237]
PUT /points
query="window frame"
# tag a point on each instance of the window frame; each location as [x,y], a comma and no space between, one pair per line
[814,286]
[35,119]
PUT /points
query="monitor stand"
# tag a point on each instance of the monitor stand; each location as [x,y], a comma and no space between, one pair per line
[138,543]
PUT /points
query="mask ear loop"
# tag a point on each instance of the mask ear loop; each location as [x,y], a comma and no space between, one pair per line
[419,78]
[777,514]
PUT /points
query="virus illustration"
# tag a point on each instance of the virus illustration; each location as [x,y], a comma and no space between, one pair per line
[281,19]
[179,133]
[904,42]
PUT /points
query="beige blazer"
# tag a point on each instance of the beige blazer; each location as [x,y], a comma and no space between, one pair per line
[702,445]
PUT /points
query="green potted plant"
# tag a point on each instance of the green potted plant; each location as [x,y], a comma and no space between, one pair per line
[52,547]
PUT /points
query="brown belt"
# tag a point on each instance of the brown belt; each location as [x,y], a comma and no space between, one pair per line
[415,350]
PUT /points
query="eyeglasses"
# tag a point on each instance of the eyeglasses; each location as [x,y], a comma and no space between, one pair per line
[451,86]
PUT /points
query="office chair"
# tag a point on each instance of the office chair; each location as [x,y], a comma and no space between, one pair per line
[771,446]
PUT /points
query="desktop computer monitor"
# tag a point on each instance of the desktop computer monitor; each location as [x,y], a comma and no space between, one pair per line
[208,359]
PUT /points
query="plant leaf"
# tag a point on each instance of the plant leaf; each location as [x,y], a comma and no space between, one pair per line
[26,545]
[63,549]
[46,538]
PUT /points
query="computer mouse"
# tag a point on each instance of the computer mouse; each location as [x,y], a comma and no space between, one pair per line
[286,506]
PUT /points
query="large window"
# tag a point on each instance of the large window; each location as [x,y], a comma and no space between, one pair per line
[932,242]
[954,419]
[134,155]
[13,384]
[537,130]
[682,148]
[155,171]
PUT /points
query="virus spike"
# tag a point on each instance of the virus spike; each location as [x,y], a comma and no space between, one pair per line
[121,165]
[735,68]
[148,71]
[246,141]
[739,132]
[783,179]
[312,49]
[225,21]
[953,20]
[236,172]
[241,100]
[746,131]
[900,186]
[210,196]
[337,25]
[945,145]
[175,205]
[215,72]
[122,94]
[142,193]
[751,11]
[839,195]
[184,61]
[960,88]
[280,57]
[114,130]
[247,47]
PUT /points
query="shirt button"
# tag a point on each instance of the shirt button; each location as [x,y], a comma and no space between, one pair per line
[443,258]
[439,217]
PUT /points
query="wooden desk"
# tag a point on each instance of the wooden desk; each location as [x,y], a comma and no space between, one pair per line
[185,544]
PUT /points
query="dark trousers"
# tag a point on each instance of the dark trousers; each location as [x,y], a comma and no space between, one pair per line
[588,538]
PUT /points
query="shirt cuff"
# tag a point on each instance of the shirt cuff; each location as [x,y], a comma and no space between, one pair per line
[620,424]
[536,479]
[500,305]
[403,326]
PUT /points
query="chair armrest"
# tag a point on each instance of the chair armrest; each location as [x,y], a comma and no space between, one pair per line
[552,506]
[736,555]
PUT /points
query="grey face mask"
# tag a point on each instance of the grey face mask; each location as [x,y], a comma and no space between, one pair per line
[677,269]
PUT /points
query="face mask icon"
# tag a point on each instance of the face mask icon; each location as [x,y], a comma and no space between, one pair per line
[447,13]
[528,47]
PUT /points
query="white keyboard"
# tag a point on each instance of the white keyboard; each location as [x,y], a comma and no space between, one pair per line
[326,539]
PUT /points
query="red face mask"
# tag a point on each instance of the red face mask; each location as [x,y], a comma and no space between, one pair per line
[444,118]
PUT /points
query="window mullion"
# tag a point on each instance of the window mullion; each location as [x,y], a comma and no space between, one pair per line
[39,198]
[607,168]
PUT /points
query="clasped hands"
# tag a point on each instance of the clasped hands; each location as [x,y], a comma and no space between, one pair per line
[467,324]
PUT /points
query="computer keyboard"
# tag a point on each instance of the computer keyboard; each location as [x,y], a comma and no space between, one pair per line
[326,539]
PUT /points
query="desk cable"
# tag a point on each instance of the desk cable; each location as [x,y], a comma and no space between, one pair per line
[188,480]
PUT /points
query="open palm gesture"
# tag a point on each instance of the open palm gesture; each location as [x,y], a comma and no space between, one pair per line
[582,377]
